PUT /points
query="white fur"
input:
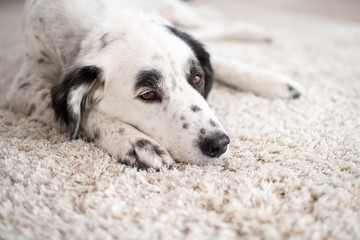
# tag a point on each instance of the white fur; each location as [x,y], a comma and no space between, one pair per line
[61,35]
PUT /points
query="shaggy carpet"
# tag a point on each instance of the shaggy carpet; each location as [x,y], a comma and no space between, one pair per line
[292,172]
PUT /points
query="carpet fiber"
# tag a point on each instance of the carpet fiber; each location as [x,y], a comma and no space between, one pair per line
[293,168]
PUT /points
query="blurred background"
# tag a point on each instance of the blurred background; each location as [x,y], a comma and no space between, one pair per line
[312,16]
[264,12]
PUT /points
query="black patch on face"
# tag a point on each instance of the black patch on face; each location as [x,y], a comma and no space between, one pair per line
[201,54]
[148,79]
[195,108]
[213,123]
[185,126]
[202,131]
[195,70]
[60,95]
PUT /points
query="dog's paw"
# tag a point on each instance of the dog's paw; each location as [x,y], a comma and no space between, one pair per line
[145,153]
[278,86]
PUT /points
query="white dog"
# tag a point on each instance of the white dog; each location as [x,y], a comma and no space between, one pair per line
[119,73]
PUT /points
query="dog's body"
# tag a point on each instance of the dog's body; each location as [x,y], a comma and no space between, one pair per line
[122,75]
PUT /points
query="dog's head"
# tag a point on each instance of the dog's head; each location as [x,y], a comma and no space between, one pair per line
[151,76]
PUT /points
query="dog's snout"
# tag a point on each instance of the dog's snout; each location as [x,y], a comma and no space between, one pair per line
[215,145]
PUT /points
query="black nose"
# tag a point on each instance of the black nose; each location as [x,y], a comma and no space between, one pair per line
[215,145]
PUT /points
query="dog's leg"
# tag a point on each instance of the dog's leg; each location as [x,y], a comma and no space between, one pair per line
[29,94]
[124,142]
[231,32]
[207,24]
[262,82]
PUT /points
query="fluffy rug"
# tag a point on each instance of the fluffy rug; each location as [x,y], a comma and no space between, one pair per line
[293,169]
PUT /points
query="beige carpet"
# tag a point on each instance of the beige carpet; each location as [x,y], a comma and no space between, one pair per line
[293,170]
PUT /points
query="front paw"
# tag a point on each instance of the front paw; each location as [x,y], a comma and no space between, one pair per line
[145,153]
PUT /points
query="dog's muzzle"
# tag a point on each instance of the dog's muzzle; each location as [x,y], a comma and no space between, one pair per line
[214,145]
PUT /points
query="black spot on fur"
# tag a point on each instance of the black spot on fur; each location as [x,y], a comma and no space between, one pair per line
[213,123]
[45,58]
[202,131]
[182,118]
[131,153]
[173,82]
[96,133]
[141,165]
[142,143]
[44,95]
[201,54]
[60,93]
[195,108]
[41,20]
[158,150]
[121,130]
[185,126]
[104,41]
[32,109]
[123,161]
[24,85]
[44,54]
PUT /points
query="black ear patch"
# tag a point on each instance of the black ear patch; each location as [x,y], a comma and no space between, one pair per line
[68,96]
[201,54]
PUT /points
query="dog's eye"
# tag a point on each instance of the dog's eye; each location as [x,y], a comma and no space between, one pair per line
[149,96]
[197,80]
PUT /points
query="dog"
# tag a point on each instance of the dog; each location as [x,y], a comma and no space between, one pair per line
[122,74]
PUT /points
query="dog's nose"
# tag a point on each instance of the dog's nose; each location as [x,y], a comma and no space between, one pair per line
[215,145]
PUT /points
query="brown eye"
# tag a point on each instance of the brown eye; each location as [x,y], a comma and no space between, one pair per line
[149,95]
[197,80]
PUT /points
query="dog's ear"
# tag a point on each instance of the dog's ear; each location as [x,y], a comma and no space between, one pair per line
[201,54]
[76,93]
